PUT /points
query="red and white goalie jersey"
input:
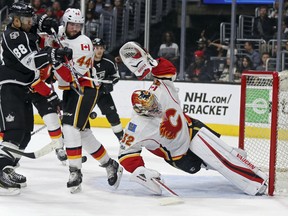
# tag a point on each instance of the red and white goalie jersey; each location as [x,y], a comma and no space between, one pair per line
[165,135]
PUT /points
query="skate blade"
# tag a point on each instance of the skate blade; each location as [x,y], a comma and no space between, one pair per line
[75,189]
[9,191]
[119,176]
[170,201]
[23,185]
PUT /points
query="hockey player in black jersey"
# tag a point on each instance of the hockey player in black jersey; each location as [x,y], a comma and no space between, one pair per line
[21,70]
[106,69]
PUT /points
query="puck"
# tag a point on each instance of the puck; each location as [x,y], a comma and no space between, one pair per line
[93,115]
[84,159]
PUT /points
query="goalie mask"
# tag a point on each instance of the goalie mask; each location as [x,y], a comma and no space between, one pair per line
[145,103]
[138,61]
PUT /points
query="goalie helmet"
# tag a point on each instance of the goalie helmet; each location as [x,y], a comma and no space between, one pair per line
[137,59]
[21,9]
[145,103]
[72,15]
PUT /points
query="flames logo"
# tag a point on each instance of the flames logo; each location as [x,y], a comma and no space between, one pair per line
[167,128]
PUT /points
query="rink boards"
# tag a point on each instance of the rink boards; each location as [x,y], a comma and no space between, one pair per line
[215,104]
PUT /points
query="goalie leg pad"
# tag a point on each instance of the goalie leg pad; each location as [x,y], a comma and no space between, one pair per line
[144,177]
[229,162]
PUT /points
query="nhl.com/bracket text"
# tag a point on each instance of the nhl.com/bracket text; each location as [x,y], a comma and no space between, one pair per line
[206,103]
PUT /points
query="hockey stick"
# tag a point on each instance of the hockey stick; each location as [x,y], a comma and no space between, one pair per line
[39,153]
[173,199]
[96,80]
[38,130]
[36,154]
[78,90]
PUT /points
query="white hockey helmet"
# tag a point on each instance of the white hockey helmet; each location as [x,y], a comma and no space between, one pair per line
[138,60]
[145,103]
[72,15]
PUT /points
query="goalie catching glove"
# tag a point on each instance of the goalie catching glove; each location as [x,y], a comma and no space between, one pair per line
[144,177]
[137,59]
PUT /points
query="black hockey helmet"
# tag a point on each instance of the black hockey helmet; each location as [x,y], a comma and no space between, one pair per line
[98,42]
[21,9]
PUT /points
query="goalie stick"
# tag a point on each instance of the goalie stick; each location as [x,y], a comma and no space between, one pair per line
[173,199]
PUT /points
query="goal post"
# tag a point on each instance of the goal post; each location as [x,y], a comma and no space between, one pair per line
[263,125]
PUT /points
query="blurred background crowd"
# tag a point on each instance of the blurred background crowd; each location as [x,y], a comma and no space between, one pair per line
[208,29]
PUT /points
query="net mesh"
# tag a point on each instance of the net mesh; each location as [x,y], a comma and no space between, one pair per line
[257,135]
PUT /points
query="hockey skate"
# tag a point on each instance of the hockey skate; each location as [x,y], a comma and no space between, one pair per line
[61,155]
[15,177]
[7,187]
[114,172]
[75,180]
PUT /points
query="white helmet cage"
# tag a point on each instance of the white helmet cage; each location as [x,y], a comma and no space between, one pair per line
[137,59]
[72,15]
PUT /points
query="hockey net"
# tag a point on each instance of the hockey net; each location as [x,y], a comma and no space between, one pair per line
[264,125]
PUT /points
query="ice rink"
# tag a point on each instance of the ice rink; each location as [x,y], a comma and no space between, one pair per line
[205,193]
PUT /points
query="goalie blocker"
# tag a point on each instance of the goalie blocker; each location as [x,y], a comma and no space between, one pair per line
[229,162]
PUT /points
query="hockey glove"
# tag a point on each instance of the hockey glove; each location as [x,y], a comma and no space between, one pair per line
[62,52]
[56,56]
[45,24]
[106,88]
[54,100]
[144,177]
[114,80]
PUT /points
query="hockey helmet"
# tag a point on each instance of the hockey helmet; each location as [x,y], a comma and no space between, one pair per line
[21,9]
[72,15]
[98,42]
[145,103]
[137,59]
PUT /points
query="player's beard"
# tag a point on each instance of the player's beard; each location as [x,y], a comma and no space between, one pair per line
[26,27]
[73,34]
[71,37]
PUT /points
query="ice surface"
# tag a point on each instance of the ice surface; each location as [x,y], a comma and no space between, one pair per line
[206,193]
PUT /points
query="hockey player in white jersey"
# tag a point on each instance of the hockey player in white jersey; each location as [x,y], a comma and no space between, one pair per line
[79,102]
[159,125]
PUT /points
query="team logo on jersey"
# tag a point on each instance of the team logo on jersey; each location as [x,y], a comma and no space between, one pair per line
[132,127]
[85,47]
[101,74]
[14,35]
[9,118]
[171,124]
